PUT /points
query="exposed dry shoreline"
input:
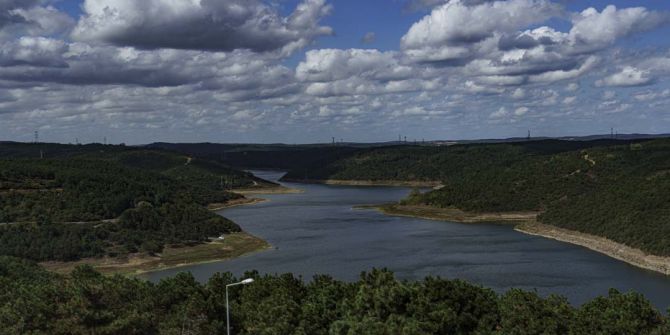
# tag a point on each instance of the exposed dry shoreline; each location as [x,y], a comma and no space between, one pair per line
[603,245]
[526,222]
[235,203]
[454,214]
[270,190]
[234,245]
[342,182]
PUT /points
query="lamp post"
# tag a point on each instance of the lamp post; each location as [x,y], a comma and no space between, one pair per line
[243,282]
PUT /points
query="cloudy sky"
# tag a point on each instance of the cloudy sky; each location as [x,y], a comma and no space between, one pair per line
[299,71]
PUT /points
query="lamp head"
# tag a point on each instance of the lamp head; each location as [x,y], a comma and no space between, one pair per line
[247,281]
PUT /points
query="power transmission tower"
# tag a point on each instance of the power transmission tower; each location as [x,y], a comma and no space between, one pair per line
[528,138]
[37,136]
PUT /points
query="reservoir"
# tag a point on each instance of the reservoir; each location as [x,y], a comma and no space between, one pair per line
[318,231]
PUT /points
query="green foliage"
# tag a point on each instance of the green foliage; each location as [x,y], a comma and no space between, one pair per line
[36,302]
[90,203]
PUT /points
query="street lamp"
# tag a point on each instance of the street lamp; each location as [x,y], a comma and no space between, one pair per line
[244,282]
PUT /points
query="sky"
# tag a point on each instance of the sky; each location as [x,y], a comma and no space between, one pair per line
[305,71]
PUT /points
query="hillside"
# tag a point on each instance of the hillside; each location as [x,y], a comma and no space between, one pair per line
[109,201]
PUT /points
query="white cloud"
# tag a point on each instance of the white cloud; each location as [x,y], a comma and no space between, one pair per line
[572,87]
[594,30]
[453,31]
[500,113]
[569,100]
[519,93]
[369,37]
[521,111]
[201,25]
[628,76]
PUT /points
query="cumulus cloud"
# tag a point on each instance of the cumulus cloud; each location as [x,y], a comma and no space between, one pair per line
[8,9]
[453,30]
[572,87]
[360,71]
[33,51]
[594,30]
[369,38]
[628,76]
[521,111]
[208,67]
[500,113]
[201,25]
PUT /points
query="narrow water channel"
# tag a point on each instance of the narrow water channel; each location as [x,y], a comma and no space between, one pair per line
[318,231]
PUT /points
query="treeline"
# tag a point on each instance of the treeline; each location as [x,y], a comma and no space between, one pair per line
[110,202]
[295,158]
[34,301]
[143,229]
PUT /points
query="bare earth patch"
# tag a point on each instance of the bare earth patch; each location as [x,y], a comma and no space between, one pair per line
[399,183]
[455,214]
[268,190]
[234,203]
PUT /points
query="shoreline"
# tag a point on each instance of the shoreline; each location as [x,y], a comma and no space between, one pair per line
[272,190]
[453,214]
[622,252]
[235,245]
[235,203]
[345,182]
[526,222]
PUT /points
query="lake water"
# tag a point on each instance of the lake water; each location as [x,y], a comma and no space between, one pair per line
[318,231]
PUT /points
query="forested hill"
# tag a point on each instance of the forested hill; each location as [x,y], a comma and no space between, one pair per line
[108,200]
[264,156]
[33,301]
[433,163]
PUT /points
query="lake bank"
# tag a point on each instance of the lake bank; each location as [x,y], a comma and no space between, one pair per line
[526,222]
[268,190]
[453,214]
[234,203]
[602,245]
[343,182]
[234,245]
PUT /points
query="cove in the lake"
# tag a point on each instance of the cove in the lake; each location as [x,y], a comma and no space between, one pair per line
[318,231]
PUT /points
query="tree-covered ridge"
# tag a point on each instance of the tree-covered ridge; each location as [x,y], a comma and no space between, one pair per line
[36,302]
[110,202]
[431,163]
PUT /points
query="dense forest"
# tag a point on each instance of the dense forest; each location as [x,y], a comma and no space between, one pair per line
[34,301]
[619,189]
[109,200]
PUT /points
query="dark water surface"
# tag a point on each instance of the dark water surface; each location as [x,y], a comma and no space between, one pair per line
[318,232]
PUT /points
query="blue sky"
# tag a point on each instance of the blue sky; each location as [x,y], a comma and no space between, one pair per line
[299,71]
